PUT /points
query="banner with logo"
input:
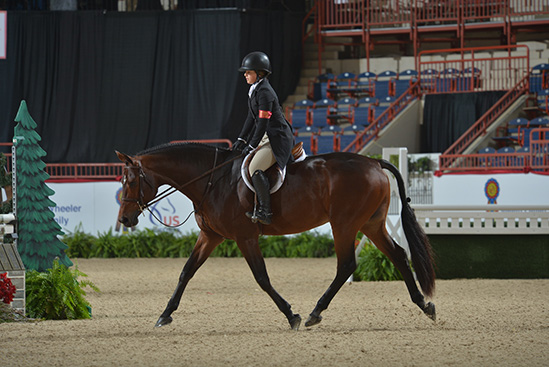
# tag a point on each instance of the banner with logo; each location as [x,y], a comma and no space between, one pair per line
[92,207]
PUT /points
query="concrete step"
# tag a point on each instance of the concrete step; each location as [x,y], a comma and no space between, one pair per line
[309,47]
[301,90]
[309,73]
[304,81]
[311,64]
[293,99]
[326,55]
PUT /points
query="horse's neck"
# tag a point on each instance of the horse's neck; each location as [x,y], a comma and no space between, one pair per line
[182,172]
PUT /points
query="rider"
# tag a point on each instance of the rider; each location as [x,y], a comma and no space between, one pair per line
[265,131]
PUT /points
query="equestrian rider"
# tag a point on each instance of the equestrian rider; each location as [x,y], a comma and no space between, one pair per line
[265,132]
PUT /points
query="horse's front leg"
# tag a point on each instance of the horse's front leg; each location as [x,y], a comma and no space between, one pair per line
[205,244]
[254,258]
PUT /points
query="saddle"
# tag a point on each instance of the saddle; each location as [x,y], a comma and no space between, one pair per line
[275,175]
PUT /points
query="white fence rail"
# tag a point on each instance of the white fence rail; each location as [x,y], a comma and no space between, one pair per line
[483,219]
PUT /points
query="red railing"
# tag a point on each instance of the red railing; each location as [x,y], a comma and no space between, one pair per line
[344,15]
[535,159]
[85,171]
[97,171]
[473,69]
[507,68]
[416,17]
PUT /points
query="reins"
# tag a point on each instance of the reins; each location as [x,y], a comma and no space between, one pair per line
[171,190]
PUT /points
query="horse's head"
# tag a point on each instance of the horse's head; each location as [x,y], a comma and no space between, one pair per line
[137,190]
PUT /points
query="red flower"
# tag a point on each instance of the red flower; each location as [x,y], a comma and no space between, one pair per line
[7,289]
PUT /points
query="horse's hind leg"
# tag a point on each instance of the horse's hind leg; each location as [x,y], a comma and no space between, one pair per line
[254,258]
[204,246]
[386,244]
[344,241]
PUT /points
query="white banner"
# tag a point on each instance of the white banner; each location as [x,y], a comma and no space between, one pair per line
[3,33]
[93,208]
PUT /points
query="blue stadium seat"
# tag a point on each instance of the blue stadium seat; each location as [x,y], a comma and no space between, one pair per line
[514,126]
[383,105]
[320,84]
[523,159]
[487,150]
[299,114]
[320,111]
[539,122]
[428,79]
[383,85]
[484,161]
[504,161]
[327,143]
[539,77]
[542,98]
[468,80]
[343,112]
[343,83]
[404,81]
[365,83]
[446,81]
[307,136]
[349,134]
[364,110]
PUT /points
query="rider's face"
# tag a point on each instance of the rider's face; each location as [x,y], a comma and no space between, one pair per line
[251,76]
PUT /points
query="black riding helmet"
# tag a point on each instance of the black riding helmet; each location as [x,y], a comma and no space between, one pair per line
[256,61]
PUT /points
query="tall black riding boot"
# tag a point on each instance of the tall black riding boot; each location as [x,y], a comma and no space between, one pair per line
[262,212]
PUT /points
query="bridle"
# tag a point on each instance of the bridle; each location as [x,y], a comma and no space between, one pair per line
[143,179]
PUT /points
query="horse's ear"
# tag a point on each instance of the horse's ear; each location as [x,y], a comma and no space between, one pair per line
[124,158]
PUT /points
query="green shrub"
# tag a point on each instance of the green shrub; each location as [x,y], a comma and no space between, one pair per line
[57,294]
[310,244]
[80,244]
[373,265]
[171,243]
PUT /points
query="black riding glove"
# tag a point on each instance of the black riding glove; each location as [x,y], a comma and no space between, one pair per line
[248,150]
[240,144]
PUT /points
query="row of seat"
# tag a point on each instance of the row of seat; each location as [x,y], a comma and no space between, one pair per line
[332,138]
[450,80]
[519,131]
[384,84]
[391,83]
[507,157]
[330,112]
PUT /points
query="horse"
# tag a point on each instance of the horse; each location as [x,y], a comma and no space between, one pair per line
[348,190]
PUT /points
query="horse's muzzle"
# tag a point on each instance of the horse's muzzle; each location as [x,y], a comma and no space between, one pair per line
[127,222]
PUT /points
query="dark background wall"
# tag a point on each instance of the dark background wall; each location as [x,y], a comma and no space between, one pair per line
[98,81]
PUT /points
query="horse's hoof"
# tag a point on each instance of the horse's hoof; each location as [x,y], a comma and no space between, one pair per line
[163,321]
[313,320]
[430,311]
[295,322]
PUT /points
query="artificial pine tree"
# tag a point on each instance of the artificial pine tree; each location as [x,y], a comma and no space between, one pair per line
[38,243]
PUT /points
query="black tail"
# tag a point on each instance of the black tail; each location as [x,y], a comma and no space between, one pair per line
[422,254]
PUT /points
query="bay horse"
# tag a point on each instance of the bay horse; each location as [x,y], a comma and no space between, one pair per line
[348,190]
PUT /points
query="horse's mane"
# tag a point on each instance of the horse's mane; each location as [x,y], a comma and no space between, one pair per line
[175,147]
